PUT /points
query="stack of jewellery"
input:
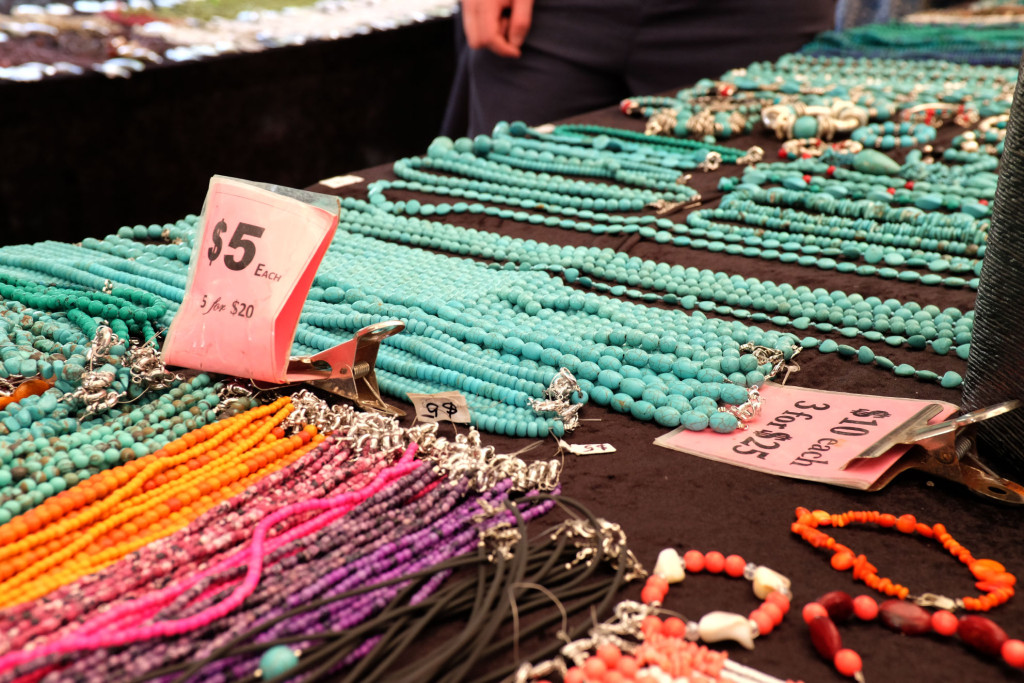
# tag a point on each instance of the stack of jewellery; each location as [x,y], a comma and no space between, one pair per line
[850,315]
[410,519]
[836,234]
[882,84]
[455,309]
[967,187]
[532,173]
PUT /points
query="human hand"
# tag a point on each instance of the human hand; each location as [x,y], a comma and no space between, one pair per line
[497,25]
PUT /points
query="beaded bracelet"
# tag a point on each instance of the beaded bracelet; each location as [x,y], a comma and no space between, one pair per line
[991,575]
[978,633]
[770,586]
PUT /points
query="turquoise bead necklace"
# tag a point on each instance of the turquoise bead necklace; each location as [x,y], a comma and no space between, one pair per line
[890,81]
[891,135]
[126,310]
[37,343]
[44,450]
[899,237]
[928,186]
[532,319]
[657,148]
[416,366]
[879,85]
[891,321]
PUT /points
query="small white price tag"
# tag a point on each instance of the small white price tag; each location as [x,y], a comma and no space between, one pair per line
[446,406]
[586,448]
[341,181]
[545,128]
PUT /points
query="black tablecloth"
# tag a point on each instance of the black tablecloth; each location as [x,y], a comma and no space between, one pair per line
[664,498]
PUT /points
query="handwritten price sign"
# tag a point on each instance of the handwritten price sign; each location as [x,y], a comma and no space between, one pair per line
[251,269]
[825,436]
[446,406]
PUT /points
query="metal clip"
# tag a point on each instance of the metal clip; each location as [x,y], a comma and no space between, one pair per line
[349,369]
[666,208]
[935,600]
[948,450]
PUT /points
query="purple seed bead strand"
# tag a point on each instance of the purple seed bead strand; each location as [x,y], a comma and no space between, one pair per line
[120,584]
[425,472]
[139,577]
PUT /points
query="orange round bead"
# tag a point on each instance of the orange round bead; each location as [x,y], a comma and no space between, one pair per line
[714,562]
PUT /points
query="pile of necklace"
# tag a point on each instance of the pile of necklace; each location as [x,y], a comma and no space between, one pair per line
[820,96]
[871,224]
[993,45]
[113,513]
[359,519]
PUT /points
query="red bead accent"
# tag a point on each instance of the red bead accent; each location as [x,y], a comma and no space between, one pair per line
[714,562]
[891,190]
[909,185]
[609,654]
[657,582]
[764,621]
[779,600]
[865,607]
[830,171]
[906,523]
[944,622]
[838,604]
[825,637]
[812,611]
[734,565]
[905,617]
[650,625]
[1013,653]
[694,560]
[772,611]
[982,634]
[594,668]
[847,662]
[574,675]
[673,627]
[650,595]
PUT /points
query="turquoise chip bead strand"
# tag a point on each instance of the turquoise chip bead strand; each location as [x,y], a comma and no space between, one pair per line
[44,449]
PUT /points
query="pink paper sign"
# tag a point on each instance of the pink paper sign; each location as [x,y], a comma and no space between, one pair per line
[251,268]
[823,436]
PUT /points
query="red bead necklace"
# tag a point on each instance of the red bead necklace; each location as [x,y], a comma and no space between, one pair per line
[992,577]
[977,632]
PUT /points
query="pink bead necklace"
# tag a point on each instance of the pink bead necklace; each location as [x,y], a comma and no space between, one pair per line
[87,637]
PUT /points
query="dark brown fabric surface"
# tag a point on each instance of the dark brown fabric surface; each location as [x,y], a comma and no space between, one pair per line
[664,498]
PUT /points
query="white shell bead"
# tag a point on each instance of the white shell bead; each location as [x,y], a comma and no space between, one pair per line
[767,580]
[670,566]
[716,626]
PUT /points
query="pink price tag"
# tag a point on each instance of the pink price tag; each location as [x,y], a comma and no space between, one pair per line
[251,268]
[826,436]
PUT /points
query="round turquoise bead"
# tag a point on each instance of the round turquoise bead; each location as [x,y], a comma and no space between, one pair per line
[278,661]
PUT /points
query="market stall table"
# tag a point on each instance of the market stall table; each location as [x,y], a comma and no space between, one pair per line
[663,498]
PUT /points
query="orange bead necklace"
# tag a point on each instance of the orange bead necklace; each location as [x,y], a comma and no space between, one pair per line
[116,512]
[996,584]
